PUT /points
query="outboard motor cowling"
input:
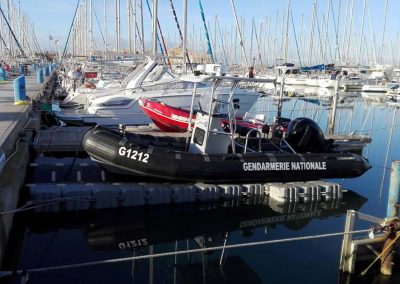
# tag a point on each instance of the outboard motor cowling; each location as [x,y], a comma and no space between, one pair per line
[304,135]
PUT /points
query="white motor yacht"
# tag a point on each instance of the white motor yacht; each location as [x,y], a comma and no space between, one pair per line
[144,74]
[125,109]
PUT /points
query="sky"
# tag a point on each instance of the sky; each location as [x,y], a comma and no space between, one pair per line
[54,17]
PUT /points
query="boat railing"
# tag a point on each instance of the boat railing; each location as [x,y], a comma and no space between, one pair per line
[288,145]
[243,146]
[258,132]
[279,147]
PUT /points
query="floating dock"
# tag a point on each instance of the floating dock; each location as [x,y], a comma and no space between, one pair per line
[54,197]
[81,184]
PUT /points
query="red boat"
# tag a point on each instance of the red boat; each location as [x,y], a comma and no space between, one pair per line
[174,119]
[167,118]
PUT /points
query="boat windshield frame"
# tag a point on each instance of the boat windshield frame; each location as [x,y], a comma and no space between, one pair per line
[212,107]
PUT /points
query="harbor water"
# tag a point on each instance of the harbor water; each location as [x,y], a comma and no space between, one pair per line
[48,239]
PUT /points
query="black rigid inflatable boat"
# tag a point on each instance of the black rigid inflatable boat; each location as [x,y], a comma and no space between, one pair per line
[167,159]
[215,154]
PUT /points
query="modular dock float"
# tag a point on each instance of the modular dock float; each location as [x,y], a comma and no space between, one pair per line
[54,197]
[80,184]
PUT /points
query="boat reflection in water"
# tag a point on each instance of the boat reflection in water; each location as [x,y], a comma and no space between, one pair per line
[137,231]
[213,219]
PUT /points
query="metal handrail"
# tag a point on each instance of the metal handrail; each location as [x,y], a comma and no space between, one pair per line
[247,140]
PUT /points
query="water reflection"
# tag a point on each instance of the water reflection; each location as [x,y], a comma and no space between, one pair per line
[42,240]
[49,239]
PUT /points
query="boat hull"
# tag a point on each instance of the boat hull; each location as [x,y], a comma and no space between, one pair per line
[167,118]
[144,158]
[173,119]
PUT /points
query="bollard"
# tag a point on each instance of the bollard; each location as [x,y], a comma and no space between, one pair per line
[47,70]
[39,76]
[2,74]
[20,97]
[394,191]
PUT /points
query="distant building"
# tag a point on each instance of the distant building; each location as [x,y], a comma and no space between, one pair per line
[194,57]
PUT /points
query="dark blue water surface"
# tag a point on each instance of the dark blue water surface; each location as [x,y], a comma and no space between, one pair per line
[52,239]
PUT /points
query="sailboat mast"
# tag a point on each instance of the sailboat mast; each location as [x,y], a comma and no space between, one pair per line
[128,2]
[184,37]
[362,33]
[210,53]
[141,24]
[214,39]
[239,33]
[373,35]
[86,32]
[337,52]
[12,34]
[105,26]
[251,39]
[287,31]
[224,55]
[310,54]
[117,25]
[10,41]
[345,31]
[301,33]
[258,42]
[350,31]
[154,28]
[134,27]
[326,32]
[383,33]
[91,26]
[3,45]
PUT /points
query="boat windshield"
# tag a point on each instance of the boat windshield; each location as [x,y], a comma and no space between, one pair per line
[220,104]
[159,72]
[175,85]
[132,75]
[117,102]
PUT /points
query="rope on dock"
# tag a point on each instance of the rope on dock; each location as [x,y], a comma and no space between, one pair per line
[141,257]
[17,144]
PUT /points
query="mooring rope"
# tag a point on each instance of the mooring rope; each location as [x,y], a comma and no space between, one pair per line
[380,255]
[33,204]
[163,254]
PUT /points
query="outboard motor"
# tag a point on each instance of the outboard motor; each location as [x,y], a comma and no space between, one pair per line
[304,135]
